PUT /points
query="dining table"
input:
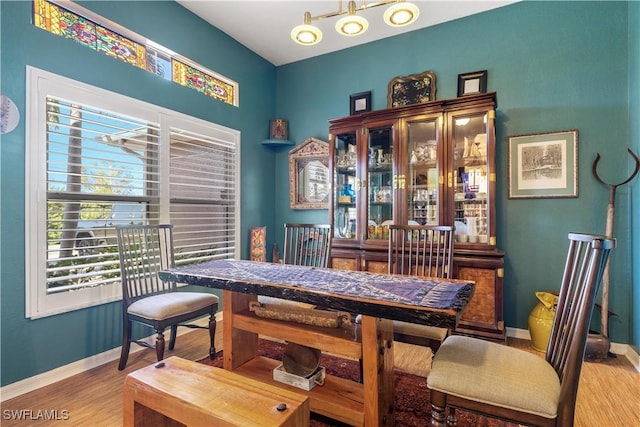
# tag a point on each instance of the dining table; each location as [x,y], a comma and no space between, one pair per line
[378,299]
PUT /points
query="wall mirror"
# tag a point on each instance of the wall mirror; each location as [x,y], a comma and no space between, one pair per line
[309,175]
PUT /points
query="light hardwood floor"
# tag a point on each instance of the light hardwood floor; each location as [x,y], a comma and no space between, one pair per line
[609,393]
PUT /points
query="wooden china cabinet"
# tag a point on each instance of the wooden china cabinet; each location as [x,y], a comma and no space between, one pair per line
[431,163]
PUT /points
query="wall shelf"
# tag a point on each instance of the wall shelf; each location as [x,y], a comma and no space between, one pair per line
[277,143]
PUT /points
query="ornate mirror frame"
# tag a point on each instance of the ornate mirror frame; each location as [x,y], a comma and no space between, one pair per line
[309,175]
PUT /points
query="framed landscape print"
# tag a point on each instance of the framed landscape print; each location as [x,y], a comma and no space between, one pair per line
[543,165]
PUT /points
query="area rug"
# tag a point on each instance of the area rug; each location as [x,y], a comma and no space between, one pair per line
[412,407]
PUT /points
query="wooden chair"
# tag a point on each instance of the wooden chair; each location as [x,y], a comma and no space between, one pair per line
[304,244]
[515,385]
[420,250]
[307,244]
[144,251]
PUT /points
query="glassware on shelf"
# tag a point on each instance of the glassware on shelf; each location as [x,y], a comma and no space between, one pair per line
[373,161]
[384,195]
[347,195]
[345,225]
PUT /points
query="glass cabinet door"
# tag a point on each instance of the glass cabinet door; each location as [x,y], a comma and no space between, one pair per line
[345,186]
[425,157]
[379,181]
[471,177]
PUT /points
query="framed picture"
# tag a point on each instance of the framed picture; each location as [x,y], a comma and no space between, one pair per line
[279,129]
[360,103]
[309,182]
[543,165]
[413,89]
[472,83]
[258,244]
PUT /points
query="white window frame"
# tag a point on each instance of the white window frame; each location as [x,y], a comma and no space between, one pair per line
[40,84]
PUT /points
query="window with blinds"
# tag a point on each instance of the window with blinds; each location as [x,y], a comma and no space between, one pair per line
[95,160]
[202,194]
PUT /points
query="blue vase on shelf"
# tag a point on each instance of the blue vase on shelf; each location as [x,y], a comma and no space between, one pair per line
[347,190]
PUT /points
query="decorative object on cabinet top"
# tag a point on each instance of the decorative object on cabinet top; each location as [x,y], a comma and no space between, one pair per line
[472,83]
[413,89]
[309,175]
[543,165]
[359,103]
[278,133]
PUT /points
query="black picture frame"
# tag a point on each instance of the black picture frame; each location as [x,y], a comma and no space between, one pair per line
[359,103]
[472,83]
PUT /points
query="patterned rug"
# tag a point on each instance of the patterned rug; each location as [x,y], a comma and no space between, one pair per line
[412,407]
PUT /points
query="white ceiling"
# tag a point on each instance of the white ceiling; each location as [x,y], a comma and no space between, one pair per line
[265,26]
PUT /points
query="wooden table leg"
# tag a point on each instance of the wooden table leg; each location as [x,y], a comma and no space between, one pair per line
[238,346]
[377,361]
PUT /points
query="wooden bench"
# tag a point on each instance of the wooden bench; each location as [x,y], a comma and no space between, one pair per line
[185,393]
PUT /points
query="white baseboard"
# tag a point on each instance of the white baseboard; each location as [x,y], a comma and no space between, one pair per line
[522,334]
[33,383]
[618,349]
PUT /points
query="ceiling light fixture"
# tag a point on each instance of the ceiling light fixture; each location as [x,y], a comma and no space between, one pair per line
[399,14]
[352,24]
[306,34]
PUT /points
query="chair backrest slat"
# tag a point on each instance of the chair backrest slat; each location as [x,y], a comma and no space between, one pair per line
[421,250]
[307,244]
[144,250]
[586,259]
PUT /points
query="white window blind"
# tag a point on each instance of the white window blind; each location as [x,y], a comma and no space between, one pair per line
[102,171]
[202,197]
[96,159]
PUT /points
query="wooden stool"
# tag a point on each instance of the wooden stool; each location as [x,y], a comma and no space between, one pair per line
[185,393]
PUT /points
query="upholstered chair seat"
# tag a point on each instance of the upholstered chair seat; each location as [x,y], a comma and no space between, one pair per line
[469,368]
[413,333]
[513,384]
[164,306]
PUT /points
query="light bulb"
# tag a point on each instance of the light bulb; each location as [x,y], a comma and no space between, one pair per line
[401,14]
[352,25]
[306,34]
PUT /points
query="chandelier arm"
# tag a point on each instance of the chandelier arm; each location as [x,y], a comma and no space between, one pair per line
[353,24]
[342,11]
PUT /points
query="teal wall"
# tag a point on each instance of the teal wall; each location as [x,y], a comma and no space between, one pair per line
[30,347]
[634,123]
[554,65]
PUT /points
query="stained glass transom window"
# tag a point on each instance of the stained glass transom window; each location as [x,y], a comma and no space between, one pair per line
[94,32]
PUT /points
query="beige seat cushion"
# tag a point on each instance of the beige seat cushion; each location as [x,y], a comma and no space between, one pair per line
[422,331]
[171,304]
[495,374]
[262,299]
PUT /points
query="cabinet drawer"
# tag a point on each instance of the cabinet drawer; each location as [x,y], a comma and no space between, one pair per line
[344,263]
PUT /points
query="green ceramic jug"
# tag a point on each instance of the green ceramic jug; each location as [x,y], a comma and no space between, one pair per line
[541,320]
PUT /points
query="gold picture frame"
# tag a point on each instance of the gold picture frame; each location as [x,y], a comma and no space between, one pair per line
[309,175]
[412,89]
